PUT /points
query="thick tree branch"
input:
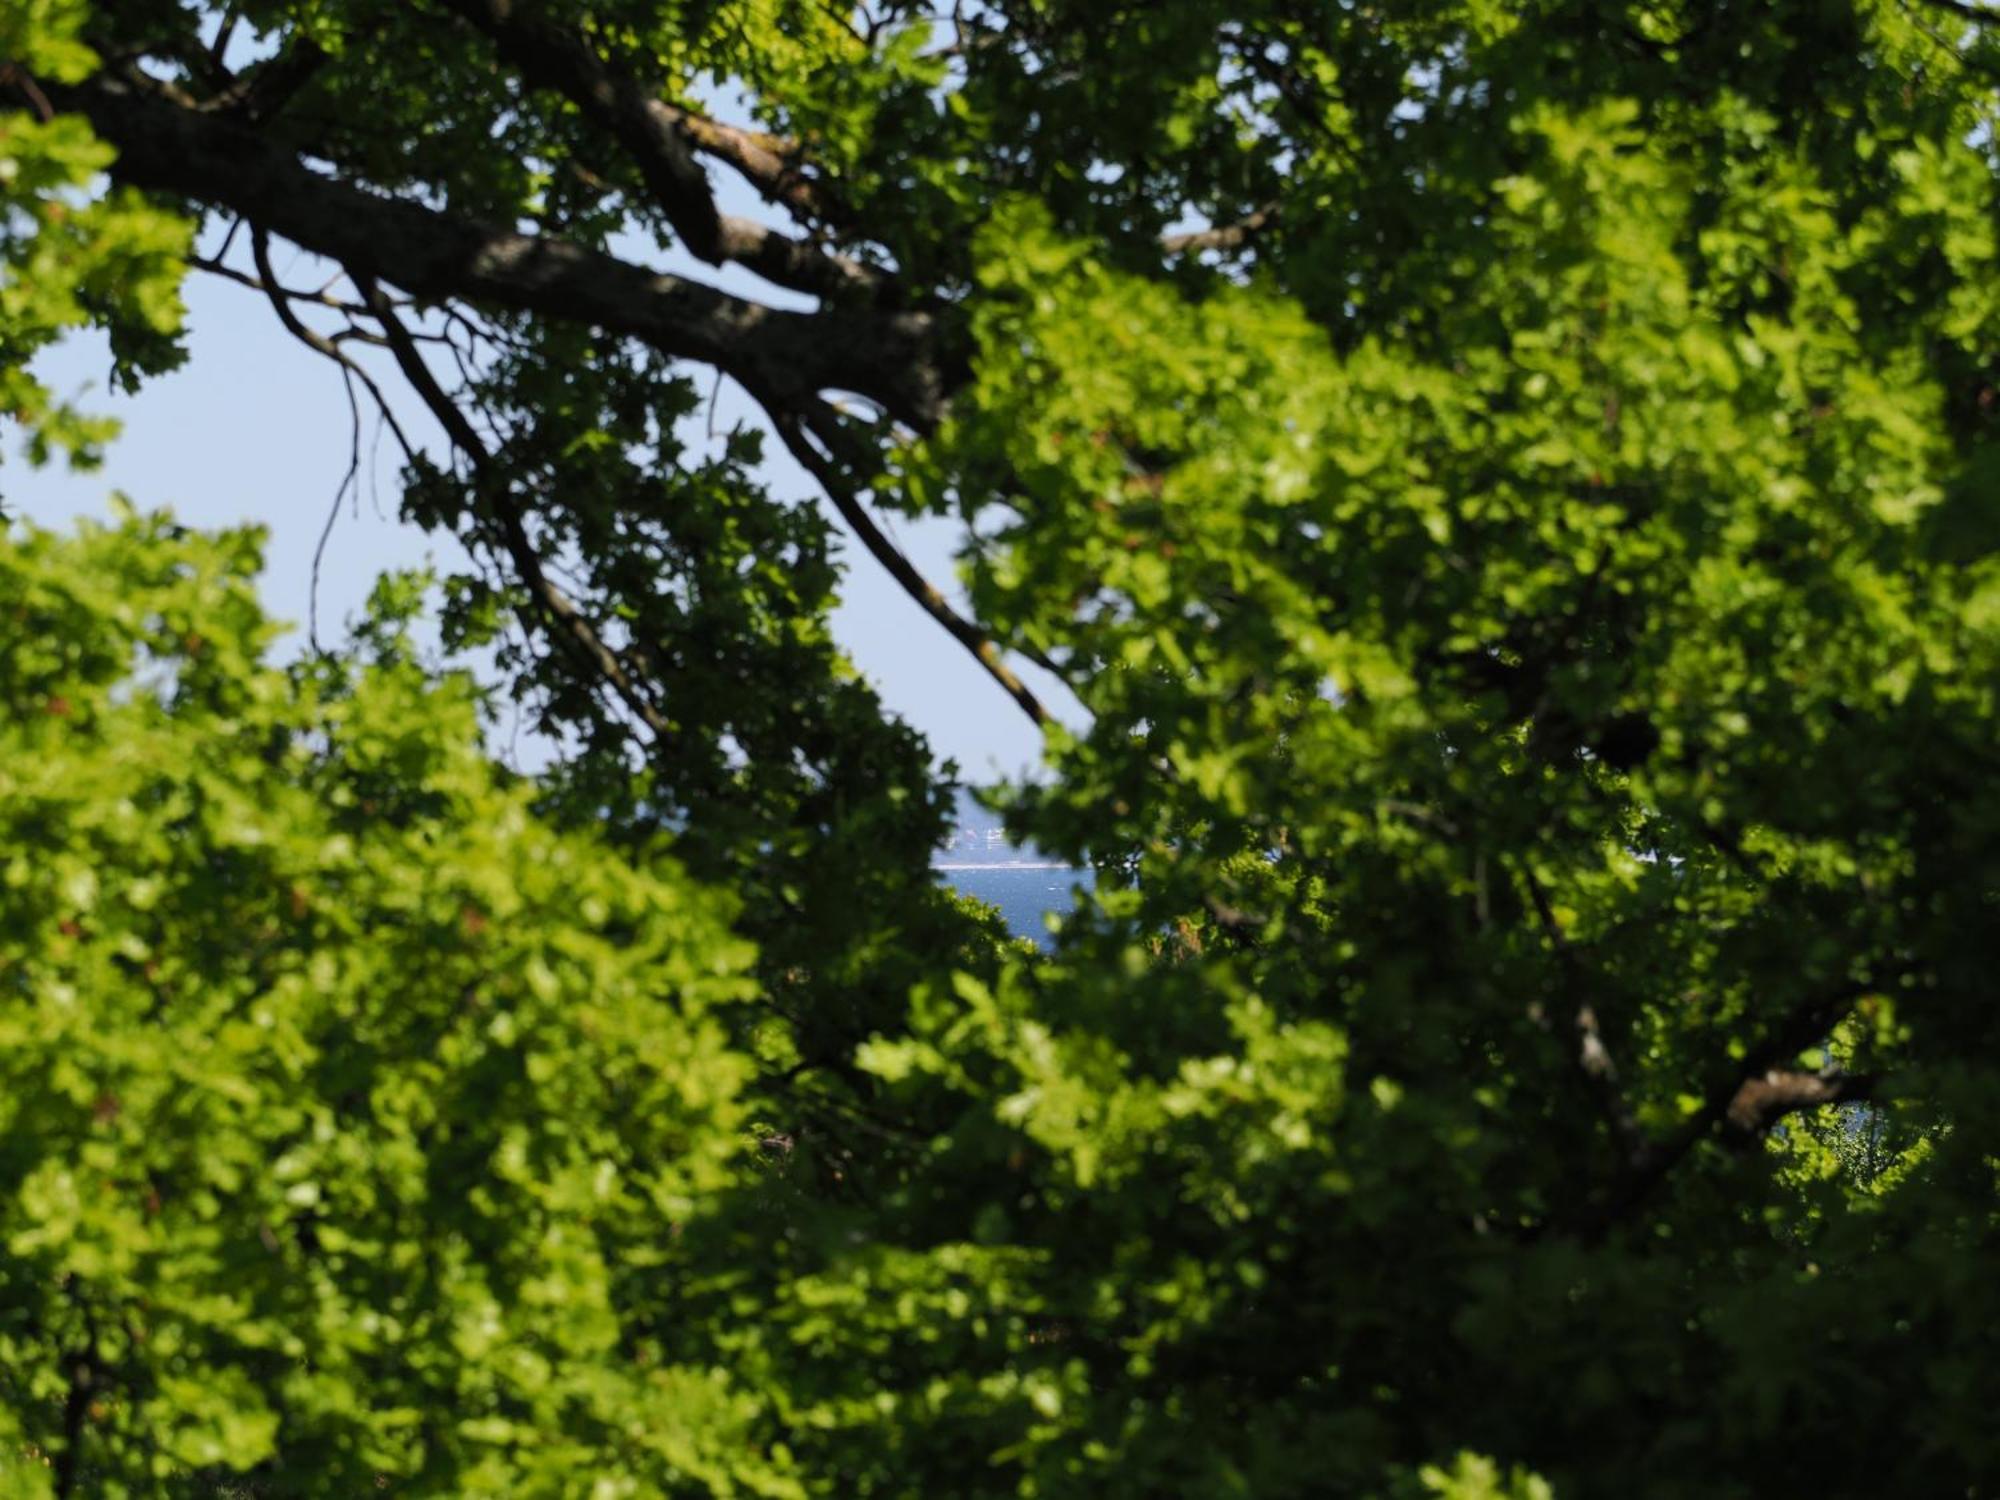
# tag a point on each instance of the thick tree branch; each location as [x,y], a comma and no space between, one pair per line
[1223,236]
[659,141]
[784,261]
[768,164]
[890,357]
[783,359]
[549,56]
[1760,1102]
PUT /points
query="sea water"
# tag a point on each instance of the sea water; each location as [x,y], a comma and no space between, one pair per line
[1025,883]
[1025,893]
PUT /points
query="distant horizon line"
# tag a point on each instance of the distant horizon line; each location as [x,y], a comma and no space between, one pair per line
[1006,864]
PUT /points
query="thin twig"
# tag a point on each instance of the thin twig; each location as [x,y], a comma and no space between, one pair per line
[319,343]
[214,266]
[333,513]
[260,250]
[575,626]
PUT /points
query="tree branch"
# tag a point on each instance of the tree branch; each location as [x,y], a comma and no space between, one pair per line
[267,282]
[1599,1074]
[1979,15]
[889,356]
[784,360]
[1222,237]
[899,567]
[548,56]
[1747,1099]
[1760,1102]
[216,266]
[572,624]
[768,164]
[660,145]
[17,79]
[261,92]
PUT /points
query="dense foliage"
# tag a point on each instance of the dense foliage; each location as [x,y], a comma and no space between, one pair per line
[351,1115]
[1513,487]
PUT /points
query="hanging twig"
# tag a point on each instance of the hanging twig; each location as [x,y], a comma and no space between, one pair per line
[333,513]
[350,372]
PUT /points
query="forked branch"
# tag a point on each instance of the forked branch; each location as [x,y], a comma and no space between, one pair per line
[660,142]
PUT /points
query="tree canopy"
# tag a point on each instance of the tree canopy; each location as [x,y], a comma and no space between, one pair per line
[1513,489]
